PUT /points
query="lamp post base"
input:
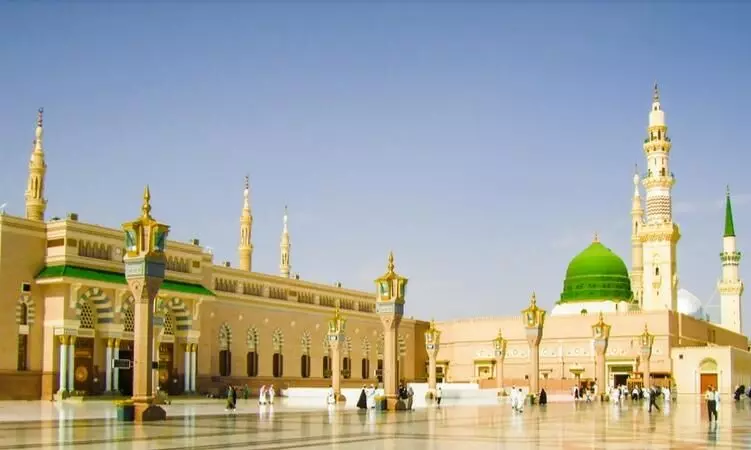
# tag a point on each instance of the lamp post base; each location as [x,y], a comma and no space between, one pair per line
[340,398]
[148,412]
[395,404]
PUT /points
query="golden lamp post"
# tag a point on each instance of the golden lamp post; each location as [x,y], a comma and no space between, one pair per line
[432,343]
[499,344]
[390,291]
[646,340]
[534,320]
[145,239]
[600,334]
[336,339]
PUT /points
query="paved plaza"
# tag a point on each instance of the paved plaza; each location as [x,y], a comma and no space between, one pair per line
[205,425]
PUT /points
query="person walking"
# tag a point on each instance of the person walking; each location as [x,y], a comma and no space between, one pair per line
[438,395]
[711,397]
[653,392]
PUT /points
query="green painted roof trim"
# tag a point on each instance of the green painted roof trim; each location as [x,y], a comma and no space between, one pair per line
[118,278]
[729,227]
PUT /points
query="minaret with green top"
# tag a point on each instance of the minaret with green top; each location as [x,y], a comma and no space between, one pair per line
[730,286]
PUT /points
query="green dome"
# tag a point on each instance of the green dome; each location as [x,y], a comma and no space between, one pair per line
[596,274]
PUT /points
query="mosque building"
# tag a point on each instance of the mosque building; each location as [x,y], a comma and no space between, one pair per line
[686,350]
[217,324]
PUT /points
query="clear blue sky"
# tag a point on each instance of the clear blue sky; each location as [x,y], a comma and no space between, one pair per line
[484,142]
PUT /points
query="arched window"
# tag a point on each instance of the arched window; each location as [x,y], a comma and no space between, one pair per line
[278,363]
[277,340]
[225,355]
[365,368]
[326,366]
[305,366]
[252,364]
[346,367]
[379,370]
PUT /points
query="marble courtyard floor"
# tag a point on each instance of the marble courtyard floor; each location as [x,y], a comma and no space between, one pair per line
[205,425]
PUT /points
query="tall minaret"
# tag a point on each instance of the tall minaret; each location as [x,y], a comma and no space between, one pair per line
[36,204]
[637,248]
[245,249]
[284,246]
[659,234]
[730,286]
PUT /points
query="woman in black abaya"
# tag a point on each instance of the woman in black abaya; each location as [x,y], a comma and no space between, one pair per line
[362,402]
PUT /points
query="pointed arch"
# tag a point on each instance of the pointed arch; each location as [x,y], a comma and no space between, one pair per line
[347,347]
[99,304]
[25,310]
[305,342]
[365,346]
[402,342]
[252,338]
[365,361]
[251,356]
[277,341]
[379,346]
[225,336]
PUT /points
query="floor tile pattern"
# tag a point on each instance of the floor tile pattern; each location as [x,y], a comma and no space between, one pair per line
[206,426]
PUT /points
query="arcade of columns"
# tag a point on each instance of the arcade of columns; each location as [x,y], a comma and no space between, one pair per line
[534,320]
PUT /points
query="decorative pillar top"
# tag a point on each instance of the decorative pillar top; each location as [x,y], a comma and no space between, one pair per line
[534,317]
[647,339]
[499,343]
[601,330]
[391,287]
[145,237]
[337,323]
[432,336]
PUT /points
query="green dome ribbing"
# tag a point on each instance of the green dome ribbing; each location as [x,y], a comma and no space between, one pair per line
[596,274]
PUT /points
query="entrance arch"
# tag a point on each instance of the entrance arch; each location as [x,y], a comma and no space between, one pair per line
[708,374]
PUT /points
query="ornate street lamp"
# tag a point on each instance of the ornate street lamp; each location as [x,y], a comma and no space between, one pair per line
[499,344]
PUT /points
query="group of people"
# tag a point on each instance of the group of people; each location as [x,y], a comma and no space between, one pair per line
[265,395]
[367,397]
[586,393]
[518,398]
[620,393]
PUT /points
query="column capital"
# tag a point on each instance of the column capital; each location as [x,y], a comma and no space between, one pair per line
[63,339]
[72,340]
[110,343]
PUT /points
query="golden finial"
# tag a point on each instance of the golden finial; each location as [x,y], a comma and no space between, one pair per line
[596,238]
[40,114]
[146,208]
[656,94]
[600,319]
[533,300]
[727,190]
[391,262]
[432,324]
[247,182]
[646,330]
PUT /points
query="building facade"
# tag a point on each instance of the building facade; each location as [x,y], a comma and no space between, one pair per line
[686,350]
[215,324]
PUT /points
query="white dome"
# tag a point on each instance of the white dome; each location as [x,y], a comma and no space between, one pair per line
[689,304]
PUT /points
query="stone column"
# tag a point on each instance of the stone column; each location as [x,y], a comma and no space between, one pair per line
[194,368]
[71,364]
[390,294]
[115,371]
[647,340]
[336,338]
[63,365]
[158,322]
[432,346]
[601,334]
[499,344]
[534,319]
[108,366]
[390,351]
[188,366]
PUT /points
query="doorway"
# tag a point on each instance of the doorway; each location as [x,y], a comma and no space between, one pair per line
[706,380]
[83,363]
[125,377]
[620,379]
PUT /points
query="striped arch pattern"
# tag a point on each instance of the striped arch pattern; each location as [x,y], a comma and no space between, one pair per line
[402,346]
[30,309]
[326,346]
[347,347]
[365,347]
[225,336]
[180,313]
[101,304]
[277,340]
[252,339]
[305,342]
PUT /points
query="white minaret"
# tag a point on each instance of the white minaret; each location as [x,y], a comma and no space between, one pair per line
[36,204]
[660,234]
[637,248]
[245,250]
[284,246]
[730,286]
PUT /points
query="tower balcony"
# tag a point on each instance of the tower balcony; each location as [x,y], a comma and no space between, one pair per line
[658,180]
